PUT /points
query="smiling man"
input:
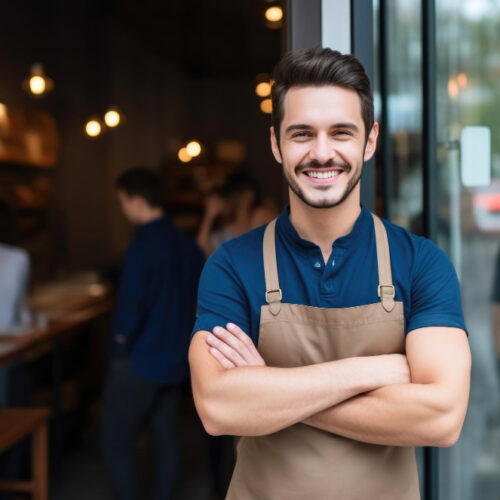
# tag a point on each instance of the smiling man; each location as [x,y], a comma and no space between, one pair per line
[333,342]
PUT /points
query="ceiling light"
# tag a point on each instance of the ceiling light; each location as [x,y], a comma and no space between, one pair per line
[112,118]
[38,83]
[193,149]
[274,14]
[263,89]
[93,128]
[184,156]
[266,106]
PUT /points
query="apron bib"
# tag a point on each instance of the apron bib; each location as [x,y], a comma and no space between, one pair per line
[304,463]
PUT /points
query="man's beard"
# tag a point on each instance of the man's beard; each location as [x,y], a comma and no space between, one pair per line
[324,203]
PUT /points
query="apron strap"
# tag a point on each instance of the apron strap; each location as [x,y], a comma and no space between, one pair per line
[385,290]
[273,290]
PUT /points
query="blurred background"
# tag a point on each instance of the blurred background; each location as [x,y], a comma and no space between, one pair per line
[90,89]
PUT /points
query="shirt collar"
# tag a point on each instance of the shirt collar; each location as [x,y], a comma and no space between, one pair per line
[151,226]
[357,236]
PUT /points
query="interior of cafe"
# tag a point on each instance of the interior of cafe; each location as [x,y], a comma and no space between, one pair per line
[89,90]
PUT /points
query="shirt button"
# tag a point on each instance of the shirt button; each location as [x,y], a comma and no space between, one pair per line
[317,265]
[333,263]
[328,285]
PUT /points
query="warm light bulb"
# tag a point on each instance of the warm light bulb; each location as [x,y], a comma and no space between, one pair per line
[193,148]
[37,85]
[3,110]
[184,156]
[274,14]
[112,118]
[453,88]
[93,128]
[266,106]
[263,89]
[462,79]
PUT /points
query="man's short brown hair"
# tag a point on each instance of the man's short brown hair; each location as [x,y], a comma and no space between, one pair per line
[318,67]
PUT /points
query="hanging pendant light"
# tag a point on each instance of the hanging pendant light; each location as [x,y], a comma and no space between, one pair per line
[38,84]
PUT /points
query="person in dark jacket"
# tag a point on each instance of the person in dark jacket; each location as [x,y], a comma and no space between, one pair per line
[154,314]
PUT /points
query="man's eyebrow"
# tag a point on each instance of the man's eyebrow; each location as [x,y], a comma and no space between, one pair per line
[348,125]
[303,126]
[297,126]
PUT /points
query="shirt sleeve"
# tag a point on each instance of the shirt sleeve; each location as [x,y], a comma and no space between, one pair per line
[130,307]
[221,296]
[435,292]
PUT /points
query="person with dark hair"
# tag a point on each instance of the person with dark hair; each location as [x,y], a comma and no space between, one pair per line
[154,314]
[228,211]
[332,341]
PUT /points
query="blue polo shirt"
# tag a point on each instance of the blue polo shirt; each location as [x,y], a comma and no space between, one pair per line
[156,301]
[232,286]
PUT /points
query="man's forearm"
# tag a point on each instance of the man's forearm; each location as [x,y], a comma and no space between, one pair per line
[257,400]
[429,411]
[398,415]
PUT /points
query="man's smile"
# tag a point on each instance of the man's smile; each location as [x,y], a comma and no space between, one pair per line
[323,176]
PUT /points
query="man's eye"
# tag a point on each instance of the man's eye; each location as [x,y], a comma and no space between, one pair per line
[342,132]
[300,134]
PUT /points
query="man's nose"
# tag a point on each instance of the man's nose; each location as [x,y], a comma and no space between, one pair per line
[322,149]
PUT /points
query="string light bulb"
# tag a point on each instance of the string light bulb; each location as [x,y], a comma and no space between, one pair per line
[263,89]
[274,14]
[38,83]
[112,118]
[193,148]
[93,128]
[266,106]
[184,156]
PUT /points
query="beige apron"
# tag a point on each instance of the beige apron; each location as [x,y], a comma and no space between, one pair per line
[304,463]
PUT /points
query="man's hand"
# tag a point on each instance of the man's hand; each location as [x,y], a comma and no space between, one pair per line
[232,347]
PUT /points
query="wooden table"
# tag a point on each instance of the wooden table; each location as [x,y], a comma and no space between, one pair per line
[15,346]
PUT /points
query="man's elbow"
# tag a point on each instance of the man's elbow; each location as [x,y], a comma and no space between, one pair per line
[211,412]
[210,420]
[446,430]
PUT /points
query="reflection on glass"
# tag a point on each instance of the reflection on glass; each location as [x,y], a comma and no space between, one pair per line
[468,94]
[403,72]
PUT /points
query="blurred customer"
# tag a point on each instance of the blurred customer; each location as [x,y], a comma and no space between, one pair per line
[14,273]
[15,381]
[231,210]
[154,313]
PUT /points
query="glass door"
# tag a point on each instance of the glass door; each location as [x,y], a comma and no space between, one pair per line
[468,225]
[462,175]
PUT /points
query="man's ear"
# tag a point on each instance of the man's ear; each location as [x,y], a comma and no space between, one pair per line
[274,146]
[371,143]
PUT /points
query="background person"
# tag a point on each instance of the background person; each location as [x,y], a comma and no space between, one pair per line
[154,313]
[231,210]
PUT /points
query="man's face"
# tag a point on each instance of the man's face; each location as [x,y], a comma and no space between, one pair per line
[130,206]
[322,139]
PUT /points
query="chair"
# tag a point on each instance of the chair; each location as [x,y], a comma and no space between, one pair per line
[15,424]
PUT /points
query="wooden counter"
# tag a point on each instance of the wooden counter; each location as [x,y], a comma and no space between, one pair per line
[12,347]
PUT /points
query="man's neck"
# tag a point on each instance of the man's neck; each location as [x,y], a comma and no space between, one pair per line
[151,215]
[323,226]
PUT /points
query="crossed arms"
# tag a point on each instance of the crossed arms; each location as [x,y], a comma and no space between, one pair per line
[417,400]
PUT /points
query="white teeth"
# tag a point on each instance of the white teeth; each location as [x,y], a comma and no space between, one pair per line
[323,175]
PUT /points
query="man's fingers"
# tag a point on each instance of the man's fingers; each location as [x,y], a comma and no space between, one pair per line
[251,353]
[236,330]
[230,339]
[225,349]
[221,358]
